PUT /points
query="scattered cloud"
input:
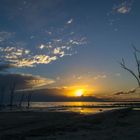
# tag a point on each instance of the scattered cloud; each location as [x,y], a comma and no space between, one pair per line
[14,51]
[118,74]
[57,50]
[78,77]
[60,42]
[70,21]
[32,37]
[47,46]
[123,8]
[112,21]
[42,46]
[43,59]
[5,35]
[58,78]
[100,77]
[16,54]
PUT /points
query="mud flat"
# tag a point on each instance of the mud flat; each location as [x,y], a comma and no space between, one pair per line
[117,124]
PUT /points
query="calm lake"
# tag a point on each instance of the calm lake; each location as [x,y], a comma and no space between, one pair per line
[81,107]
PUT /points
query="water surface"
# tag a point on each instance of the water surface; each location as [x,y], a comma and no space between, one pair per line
[80,107]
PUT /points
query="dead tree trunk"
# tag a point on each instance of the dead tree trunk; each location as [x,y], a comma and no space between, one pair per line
[2,90]
[29,96]
[21,100]
[12,93]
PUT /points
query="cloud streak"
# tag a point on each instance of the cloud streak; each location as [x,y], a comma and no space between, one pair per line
[127,92]
[24,81]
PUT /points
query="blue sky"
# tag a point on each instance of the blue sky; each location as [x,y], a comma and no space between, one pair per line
[71,42]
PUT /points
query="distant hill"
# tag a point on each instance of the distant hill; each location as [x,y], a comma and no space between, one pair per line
[56,95]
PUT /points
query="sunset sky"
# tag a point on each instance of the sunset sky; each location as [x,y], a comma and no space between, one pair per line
[74,44]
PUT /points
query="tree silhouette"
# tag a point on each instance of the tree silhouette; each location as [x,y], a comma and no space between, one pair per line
[21,100]
[29,96]
[137,60]
[2,91]
[12,93]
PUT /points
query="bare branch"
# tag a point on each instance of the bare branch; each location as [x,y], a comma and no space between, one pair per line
[135,49]
[129,70]
[137,62]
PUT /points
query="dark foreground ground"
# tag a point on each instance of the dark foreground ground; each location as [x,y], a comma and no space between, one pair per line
[112,125]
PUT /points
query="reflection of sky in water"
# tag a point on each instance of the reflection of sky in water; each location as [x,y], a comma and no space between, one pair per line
[78,107]
[58,104]
[76,104]
[83,110]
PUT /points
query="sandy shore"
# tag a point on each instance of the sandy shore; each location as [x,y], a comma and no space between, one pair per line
[111,125]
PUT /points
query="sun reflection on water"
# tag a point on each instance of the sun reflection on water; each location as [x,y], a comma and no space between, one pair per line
[83,110]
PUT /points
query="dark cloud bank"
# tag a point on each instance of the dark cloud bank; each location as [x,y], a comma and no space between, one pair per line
[35,85]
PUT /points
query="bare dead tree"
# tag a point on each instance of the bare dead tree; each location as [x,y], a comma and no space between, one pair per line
[21,100]
[12,93]
[123,65]
[137,60]
[29,96]
[2,92]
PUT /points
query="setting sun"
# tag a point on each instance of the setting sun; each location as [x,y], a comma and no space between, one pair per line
[79,92]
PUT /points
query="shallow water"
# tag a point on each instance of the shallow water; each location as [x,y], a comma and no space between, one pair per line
[80,107]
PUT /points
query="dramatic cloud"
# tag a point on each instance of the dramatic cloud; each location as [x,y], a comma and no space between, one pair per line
[17,54]
[4,67]
[24,81]
[13,52]
[123,8]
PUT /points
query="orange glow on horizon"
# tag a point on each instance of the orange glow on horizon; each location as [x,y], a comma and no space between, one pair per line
[79,92]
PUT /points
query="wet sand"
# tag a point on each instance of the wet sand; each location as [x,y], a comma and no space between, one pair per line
[121,124]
